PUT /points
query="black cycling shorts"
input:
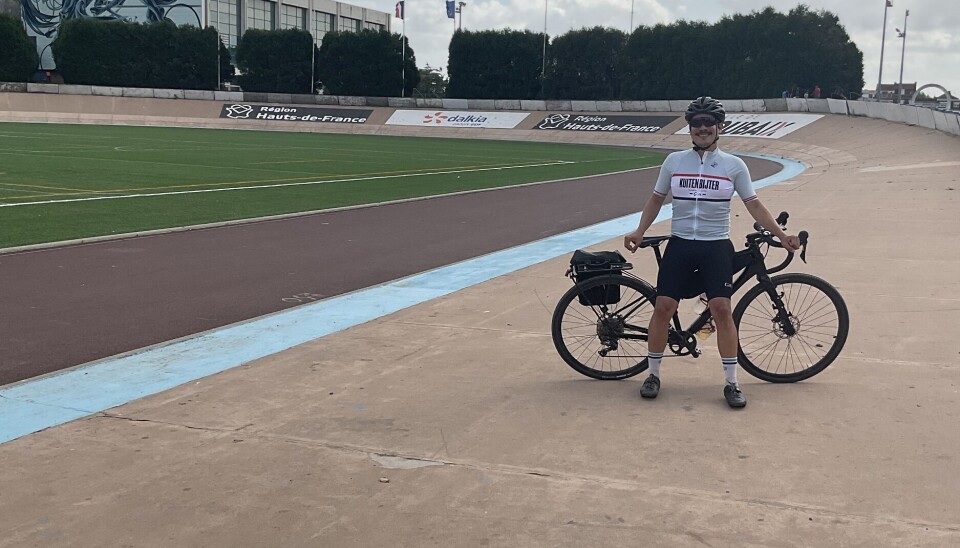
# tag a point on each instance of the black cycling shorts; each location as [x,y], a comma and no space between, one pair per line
[692,267]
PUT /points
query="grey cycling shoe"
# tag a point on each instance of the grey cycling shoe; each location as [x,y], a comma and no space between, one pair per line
[733,395]
[651,387]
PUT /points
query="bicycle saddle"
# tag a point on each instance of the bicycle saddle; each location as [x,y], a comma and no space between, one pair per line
[653,241]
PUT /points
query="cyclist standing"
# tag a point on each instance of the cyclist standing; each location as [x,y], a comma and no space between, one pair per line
[699,255]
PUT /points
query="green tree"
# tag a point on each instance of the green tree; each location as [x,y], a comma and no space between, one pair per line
[275,61]
[585,64]
[19,59]
[742,56]
[504,64]
[432,83]
[154,55]
[367,63]
[227,70]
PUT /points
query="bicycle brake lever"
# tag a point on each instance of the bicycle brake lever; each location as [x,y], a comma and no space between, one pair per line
[804,236]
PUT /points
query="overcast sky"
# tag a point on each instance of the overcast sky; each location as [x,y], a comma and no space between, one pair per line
[932,44]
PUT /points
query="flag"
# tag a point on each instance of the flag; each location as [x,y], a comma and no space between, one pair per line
[399,12]
[451,10]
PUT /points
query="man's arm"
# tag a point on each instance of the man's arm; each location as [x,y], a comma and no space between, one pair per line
[763,216]
[650,211]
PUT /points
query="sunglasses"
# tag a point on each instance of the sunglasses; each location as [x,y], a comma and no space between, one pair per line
[703,122]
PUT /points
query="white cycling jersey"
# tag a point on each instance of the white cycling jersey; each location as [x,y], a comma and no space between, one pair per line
[702,190]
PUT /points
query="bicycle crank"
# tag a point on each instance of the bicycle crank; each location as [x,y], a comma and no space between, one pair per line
[683,344]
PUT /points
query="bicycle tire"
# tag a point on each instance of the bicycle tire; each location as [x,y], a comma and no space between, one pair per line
[818,314]
[577,328]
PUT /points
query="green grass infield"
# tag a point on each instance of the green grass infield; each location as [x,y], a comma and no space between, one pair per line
[64,182]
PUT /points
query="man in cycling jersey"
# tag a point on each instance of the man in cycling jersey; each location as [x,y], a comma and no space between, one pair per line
[699,255]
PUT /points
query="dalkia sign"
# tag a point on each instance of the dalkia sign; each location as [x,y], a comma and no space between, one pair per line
[764,126]
[600,122]
[453,118]
[239,111]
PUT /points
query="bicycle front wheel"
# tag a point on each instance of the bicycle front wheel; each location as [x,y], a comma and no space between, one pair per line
[600,326]
[819,320]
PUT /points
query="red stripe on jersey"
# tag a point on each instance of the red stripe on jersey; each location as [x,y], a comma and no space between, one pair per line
[705,175]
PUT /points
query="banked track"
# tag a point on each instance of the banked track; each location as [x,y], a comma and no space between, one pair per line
[454,423]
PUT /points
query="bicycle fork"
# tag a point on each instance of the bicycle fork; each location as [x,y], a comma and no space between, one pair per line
[782,317]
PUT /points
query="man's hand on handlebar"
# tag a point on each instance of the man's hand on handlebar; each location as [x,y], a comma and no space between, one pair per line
[632,241]
[791,243]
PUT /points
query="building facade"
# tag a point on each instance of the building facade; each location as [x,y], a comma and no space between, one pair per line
[231,18]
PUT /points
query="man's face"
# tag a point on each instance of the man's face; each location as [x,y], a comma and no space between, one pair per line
[702,132]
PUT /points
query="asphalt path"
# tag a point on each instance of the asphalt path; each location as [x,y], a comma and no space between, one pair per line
[65,306]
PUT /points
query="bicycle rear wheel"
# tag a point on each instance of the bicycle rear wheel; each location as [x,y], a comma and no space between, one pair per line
[599,326]
[818,315]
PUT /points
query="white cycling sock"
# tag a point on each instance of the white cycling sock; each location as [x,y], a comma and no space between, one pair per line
[654,359]
[730,369]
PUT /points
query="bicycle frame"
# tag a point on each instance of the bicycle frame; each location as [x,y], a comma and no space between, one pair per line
[755,267]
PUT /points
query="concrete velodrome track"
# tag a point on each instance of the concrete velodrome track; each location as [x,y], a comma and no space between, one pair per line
[454,423]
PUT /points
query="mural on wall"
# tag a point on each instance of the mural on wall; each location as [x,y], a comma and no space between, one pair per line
[43,17]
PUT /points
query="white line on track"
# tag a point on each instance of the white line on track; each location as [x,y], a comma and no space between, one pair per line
[278,185]
[908,166]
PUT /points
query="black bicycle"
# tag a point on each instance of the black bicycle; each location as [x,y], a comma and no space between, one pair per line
[791,326]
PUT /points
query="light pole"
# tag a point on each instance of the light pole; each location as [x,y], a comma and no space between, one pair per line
[903,50]
[543,70]
[218,46]
[889,4]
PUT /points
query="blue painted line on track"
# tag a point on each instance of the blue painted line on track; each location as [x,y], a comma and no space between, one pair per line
[34,405]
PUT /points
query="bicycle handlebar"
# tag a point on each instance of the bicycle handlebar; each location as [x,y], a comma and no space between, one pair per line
[763,235]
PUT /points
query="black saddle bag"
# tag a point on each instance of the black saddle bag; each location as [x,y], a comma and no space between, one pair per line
[585,265]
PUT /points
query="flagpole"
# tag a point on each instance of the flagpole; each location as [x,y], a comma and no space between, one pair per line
[313,50]
[543,70]
[403,54]
[218,44]
[883,38]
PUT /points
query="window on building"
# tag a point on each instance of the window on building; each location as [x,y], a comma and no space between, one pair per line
[373,26]
[349,25]
[293,18]
[260,14]
[322,24]
[225,17]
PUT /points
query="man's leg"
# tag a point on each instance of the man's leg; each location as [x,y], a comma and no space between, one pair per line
[727,343]
[656,343]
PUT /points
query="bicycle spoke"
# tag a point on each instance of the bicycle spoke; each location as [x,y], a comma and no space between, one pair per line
[816,328]
[617,330]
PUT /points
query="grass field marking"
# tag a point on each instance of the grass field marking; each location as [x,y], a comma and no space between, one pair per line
[311,175]
[349,180]
[45,187]
[152,162]
[288,162]
[15,136]
[215,140]
[258,146]
[4,189]
[256,181]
